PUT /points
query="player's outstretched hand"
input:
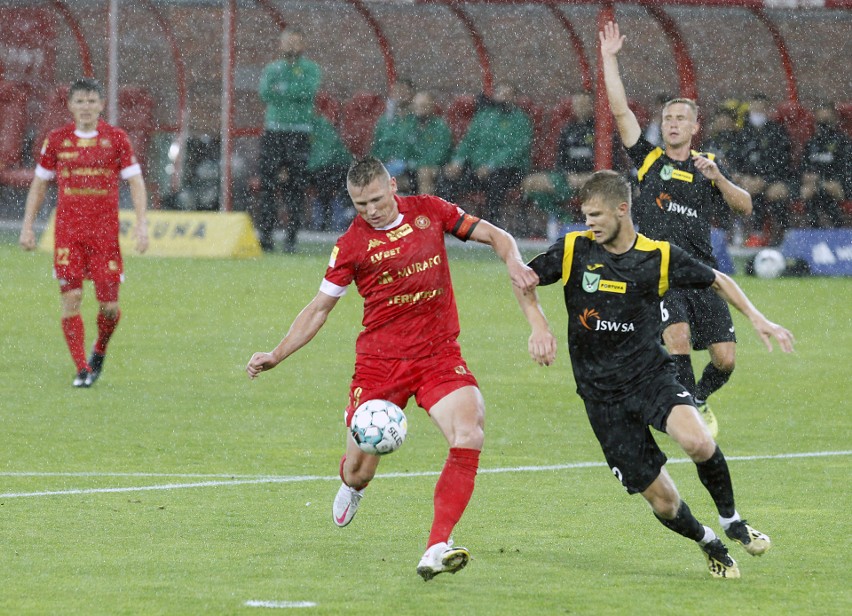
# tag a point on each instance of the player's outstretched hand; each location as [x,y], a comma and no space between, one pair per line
[542,347]
[611,39]
[767,330]
[260,362]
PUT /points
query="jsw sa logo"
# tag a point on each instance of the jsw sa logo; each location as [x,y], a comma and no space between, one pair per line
[591,320]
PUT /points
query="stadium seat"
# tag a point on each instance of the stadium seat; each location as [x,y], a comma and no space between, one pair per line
[539,116]
[459,114]
[54,114]
[328,106]
[560,115]
[358,121]
[13,123]
[799,123]
[136,116]
[844,117]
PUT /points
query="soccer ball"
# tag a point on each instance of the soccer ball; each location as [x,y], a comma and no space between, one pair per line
[379,427]
[769,263]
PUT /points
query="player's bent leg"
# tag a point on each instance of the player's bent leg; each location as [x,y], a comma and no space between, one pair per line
[460,415]
[356,470]
[674,514]
[685,426]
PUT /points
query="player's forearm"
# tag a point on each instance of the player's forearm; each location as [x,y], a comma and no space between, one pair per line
[738,199]
[530,306]
[305,326]
[731,292]
[139,197]
[34,201]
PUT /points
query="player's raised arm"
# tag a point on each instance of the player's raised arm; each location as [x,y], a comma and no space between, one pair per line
[304,327]
[731,292]
[506,248]
[611,42]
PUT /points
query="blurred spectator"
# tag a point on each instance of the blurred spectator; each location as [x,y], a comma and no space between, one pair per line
[493,156]
[288,86]
[327,167]
[826,169]
[431,143]
[762,164]
[652,130]
[721,139]
[391,135]
[575,162]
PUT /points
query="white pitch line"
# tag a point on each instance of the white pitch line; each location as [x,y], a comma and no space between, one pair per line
[280,604]
[302,478]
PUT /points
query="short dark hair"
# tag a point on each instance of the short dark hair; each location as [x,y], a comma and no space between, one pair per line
[86,84]
[365,170]
[610,186]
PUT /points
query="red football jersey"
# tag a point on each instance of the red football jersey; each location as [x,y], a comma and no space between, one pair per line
[87,168]
[403,276]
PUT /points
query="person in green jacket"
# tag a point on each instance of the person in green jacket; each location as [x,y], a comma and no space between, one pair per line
[414,146]
[494,154]
[390,136]
[327,166]
[431,142]
[289,87]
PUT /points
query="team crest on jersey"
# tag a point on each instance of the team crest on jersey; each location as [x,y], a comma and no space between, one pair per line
[422,222]
[65,144]
[374,243]
[666,172]
[591,282]
[106,143]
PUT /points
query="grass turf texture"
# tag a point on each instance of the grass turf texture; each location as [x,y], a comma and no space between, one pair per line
[174,400]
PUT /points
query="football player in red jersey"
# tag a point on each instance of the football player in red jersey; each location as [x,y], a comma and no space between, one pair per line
[394,253]
[87,158]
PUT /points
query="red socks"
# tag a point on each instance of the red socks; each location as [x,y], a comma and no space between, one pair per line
[72,327]
[453,492]
[106,327]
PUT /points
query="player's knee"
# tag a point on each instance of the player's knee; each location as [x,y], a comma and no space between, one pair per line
[725,363]
[699,445]
[109,310]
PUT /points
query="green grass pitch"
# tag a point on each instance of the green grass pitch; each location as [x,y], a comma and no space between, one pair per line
[177,486]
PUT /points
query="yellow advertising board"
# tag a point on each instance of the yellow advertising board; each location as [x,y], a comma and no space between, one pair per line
[183,234]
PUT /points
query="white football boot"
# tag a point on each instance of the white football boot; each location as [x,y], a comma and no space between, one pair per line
[442,558]
[345,504]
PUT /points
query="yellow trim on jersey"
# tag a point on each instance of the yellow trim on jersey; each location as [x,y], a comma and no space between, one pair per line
[650,159]
[648,245]
[568,254]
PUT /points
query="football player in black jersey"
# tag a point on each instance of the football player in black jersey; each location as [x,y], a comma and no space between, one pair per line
[613,279]
[679,191]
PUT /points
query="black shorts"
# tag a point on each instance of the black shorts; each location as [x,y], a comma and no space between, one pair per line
[622,428]
[707,314]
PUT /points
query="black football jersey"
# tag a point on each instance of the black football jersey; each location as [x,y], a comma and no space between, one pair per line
[613,304]
[676,201]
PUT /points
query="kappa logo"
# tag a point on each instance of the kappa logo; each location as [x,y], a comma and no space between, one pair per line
[374,243]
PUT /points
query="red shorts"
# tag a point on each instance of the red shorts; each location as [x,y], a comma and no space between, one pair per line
[428,379]
[88,258]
